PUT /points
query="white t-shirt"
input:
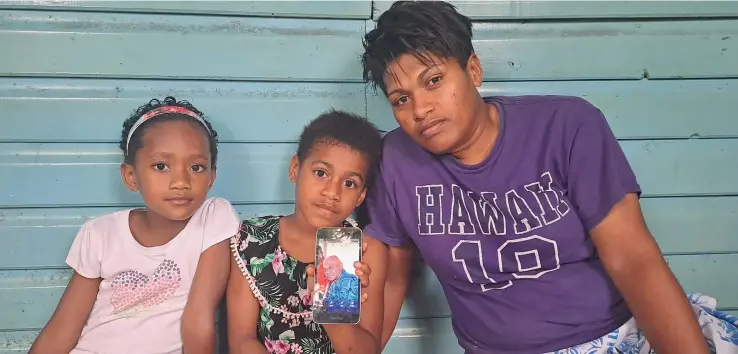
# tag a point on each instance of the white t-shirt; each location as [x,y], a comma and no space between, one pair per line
[144,289]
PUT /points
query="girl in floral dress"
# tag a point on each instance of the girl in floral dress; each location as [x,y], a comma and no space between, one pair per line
[269,291]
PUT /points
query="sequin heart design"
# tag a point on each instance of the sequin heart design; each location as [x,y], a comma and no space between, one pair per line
[134,291]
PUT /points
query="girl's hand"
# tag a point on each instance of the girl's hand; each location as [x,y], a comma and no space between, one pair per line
[363,271]
[310,270]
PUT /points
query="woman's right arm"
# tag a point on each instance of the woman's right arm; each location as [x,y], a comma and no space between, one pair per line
[61,333]
[399,259]
[242,309]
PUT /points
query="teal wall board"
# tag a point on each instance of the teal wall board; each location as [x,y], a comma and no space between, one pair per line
[49,174]
[82,44]
[354,9]
[486,10]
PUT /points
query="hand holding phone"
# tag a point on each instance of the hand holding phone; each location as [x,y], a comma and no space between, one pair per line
[336,284]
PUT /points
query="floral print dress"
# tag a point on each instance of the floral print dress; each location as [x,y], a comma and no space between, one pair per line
[279,283]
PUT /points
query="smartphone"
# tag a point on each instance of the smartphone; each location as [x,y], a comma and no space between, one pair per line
[337,289]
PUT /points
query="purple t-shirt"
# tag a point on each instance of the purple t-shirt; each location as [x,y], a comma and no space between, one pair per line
[508,238]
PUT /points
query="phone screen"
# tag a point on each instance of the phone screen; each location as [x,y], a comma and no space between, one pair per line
[337,289]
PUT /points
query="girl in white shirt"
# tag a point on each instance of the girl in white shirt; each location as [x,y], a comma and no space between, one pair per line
[148,280]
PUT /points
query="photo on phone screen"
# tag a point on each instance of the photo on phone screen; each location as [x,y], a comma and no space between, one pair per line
[337,289]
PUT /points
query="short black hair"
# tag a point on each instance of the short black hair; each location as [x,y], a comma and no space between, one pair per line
[418,28]
[129,152]
[346,129]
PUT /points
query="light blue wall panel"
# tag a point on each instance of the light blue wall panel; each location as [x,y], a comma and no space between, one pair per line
[589,9]
[54,44]
[49,174]
[607,50]
[422,336]
[27,298]
[40,237]
[16,342]
[359,9]
[584,50]
[69,44]
[258,112]
[693,225]
[94,110]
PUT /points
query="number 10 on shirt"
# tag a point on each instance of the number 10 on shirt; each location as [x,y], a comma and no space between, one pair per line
[523,258]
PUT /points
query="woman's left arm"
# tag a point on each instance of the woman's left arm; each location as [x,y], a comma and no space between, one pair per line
[208,287]
[634,262]
[604,192]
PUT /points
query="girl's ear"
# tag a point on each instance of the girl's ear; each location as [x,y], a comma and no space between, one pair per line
[474,68]
[129,177]
[294,169]
[213,173]
[361,198]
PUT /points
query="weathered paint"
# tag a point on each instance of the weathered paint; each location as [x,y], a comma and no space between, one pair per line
[656,109]
[57,44]
[241,111]
[355,9]
[259,79]
[24,229]
[62,44]
[607,50]
[588,9]
[48,174]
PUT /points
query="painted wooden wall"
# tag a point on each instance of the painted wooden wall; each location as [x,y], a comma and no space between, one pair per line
[70,72]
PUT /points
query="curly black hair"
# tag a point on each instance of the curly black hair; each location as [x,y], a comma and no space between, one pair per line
[346,129]
[129,153]
[419,28]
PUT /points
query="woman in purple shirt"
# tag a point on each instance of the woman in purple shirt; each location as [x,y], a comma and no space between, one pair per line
[525,208]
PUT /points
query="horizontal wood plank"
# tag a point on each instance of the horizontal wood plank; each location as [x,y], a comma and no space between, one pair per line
[689,225]
[607,50]
[63,44]
[93,110]
[583,50]
[17,342]
[27,298]
[693,225]
[683,167]
[49,174]
[423,336]
[644,109]
[355,9]
[240,166]
[597,9]
[71,44]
